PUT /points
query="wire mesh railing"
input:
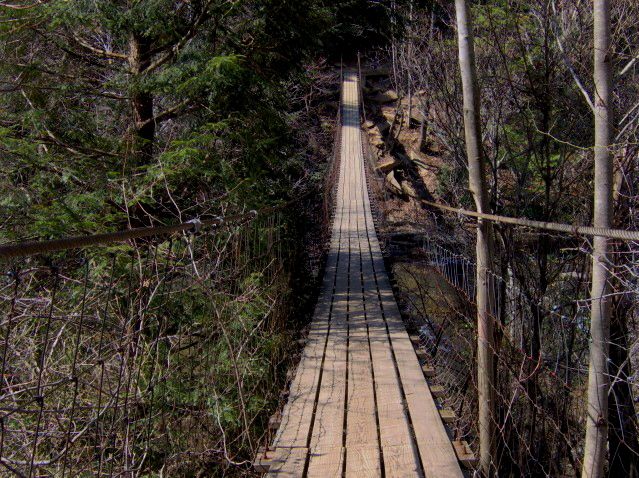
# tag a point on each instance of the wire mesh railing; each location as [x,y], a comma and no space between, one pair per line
[541,321]
[331,176]
[541,354]
[149,356]
[149,351]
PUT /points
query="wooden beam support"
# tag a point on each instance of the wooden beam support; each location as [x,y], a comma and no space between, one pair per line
[428,370]
[262,462]
[437,391]
[448,415]
[465,454]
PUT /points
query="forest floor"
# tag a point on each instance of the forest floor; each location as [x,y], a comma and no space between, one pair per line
[411,174]
[429,305]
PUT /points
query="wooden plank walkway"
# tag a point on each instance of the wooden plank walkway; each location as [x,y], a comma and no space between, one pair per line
[359,404]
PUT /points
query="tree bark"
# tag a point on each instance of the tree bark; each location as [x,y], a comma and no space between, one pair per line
[409,77]
[141,101]
[598,378]
[485,241]
[421,143]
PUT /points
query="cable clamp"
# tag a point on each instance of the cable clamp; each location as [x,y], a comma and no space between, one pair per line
[197,225]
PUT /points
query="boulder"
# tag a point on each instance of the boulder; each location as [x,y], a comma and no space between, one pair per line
[376,139]
[387,164]
[414,155]
[389,115]
[369,124]
[418,159]
[392,183]
[416,117]
[385,97]
[408,189]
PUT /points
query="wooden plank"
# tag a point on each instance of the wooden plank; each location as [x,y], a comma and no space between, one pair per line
[362,446]
[428,371]
[395,433]
[326,463]
[437,391]
[432,440]
[362,461]
[416,340]
[448,415]
[400,457]
[326,458]
[360,419]
[329,416]
[328,426]
[297,413]
[288,462]
[433,443]
[400,461]
[393,421]
[437,454]
[360,413]
[465,454]
[327,433]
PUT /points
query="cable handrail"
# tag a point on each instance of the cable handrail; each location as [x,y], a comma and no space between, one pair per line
[30,248]
[577,230]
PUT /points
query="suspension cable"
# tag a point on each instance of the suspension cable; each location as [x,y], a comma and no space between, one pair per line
[30,248]
[548,226]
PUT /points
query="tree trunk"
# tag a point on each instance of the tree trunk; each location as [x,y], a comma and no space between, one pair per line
[410,103]
[485,241]
[598,379]
[394,47]
[141,101]
[421,143]
[409,78]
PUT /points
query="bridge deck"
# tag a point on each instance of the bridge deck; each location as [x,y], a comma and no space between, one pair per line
[359,403]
